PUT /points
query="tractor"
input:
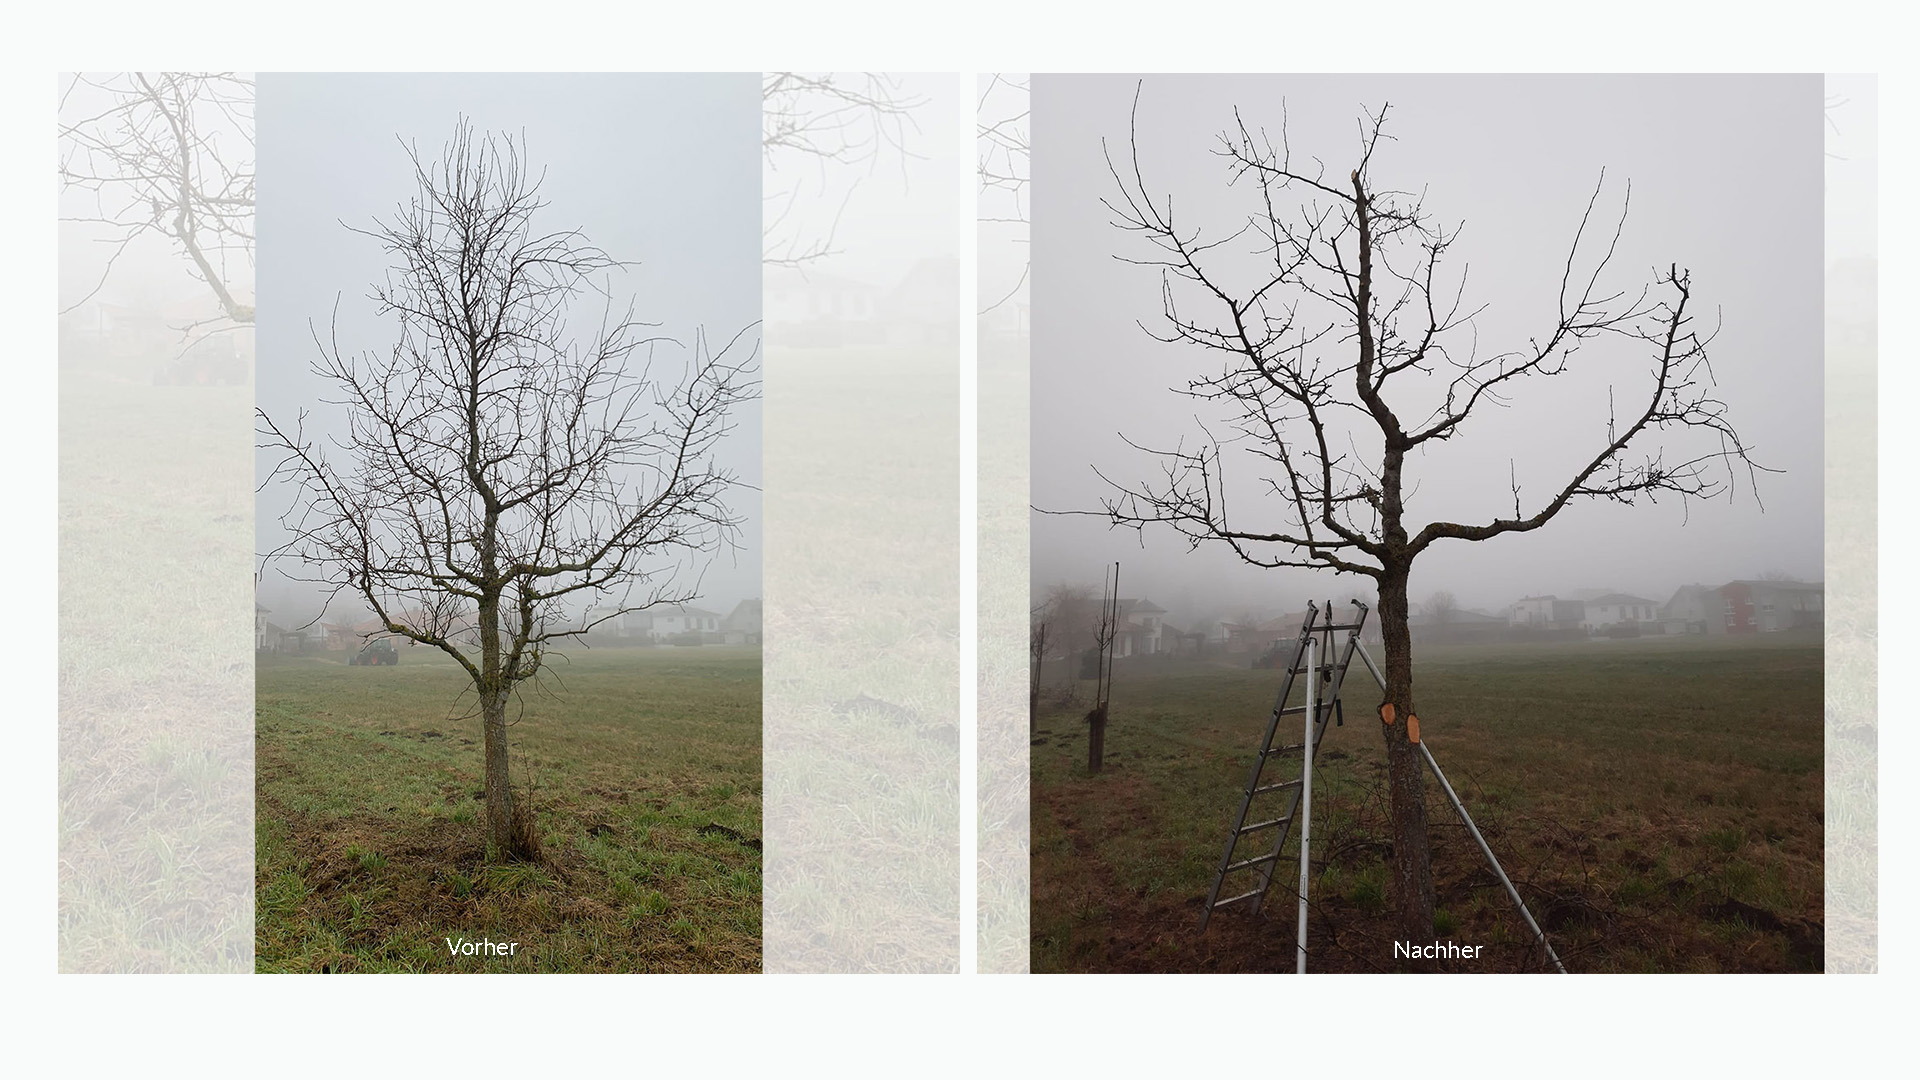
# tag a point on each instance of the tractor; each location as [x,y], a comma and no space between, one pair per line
[376,653]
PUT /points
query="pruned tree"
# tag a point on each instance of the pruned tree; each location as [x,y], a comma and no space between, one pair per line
[823,119]
[1037,649]
[169,155]
[1105,636]
[505,483]
[1344,345]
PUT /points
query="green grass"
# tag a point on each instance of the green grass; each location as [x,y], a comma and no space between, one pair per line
[644,764]
[1641,794]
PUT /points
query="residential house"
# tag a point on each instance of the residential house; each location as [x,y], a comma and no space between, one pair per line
[1618,609]
[742,624]
[816,310]
[1546,613]
[1140,632]
[682,619]
[1693,609]
[652,625]
[921,310]
[1764,607]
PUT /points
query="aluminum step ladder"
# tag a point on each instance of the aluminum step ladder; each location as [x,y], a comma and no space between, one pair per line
[1313,655]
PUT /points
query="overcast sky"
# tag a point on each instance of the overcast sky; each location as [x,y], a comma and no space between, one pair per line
[662,171]
[1726,179]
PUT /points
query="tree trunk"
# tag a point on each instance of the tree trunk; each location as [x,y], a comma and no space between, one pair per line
[1406,775]
[509,828]
[1096,738]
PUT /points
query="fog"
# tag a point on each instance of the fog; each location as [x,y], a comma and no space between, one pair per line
[1726,176]
[659,171]
[866,208]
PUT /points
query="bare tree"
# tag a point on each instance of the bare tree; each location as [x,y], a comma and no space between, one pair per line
[169,155]
[1002,135]
[506,481]
[825,119]
[1073,616]
[1345,312]
[1441,608]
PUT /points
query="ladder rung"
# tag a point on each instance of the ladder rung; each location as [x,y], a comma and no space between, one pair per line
[1236,899]
[1265,824]
[1340,626]
[1255,861]
[1288,749]
[1282,785]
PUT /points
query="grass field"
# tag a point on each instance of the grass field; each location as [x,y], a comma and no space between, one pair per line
[156,673]
[1657,802]
[646,772]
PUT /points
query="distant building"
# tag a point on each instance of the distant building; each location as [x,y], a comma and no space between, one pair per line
[1617,609]
[1140,632]
[742,624]
[809,309]
[1546,613]
[923,309]
[652,625]
[1765,607]
[1693,609]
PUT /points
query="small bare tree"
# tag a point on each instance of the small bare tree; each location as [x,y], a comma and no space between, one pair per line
[1327,332]
[506,482]
[1073,617]
[170,155]
[1441,607]
[1105,637]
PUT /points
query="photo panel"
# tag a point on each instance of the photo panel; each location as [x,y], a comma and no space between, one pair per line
[1427,470]
[508,706]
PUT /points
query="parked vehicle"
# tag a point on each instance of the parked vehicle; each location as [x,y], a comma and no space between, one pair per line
[376,653]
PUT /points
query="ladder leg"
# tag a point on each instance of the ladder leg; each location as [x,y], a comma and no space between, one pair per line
[1306,802]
